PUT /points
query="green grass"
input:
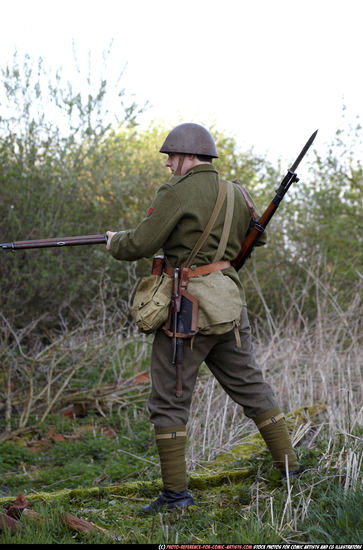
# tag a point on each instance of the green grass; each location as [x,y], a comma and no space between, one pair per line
[39,462]
[336,517]
[241,501]
[217,517]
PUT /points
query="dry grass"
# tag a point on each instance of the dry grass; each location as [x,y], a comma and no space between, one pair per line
[305,362]
[99,363]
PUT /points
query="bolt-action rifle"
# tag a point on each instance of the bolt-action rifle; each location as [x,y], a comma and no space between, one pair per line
[248,244]
[181,322]
[46,243]
[260,224]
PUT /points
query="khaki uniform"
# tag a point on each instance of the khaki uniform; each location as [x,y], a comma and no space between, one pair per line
[234,367]
[176,219]
[178,216]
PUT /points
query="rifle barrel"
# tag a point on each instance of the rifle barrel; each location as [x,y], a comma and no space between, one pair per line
[254,234]
[54,242]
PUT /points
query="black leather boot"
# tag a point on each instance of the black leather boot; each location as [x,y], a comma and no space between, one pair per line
[169,500]
[294,473]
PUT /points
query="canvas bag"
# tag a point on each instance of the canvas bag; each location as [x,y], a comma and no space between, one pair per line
[220,303]
[150,307]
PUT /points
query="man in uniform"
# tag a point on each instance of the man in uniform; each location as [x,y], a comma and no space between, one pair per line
[176,219]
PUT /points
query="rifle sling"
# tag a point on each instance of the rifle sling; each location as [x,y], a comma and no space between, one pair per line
[249,203]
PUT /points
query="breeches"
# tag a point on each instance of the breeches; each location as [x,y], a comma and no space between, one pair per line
[234,367]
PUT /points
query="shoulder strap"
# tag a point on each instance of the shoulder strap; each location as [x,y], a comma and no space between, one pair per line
[227,224]
[222,192]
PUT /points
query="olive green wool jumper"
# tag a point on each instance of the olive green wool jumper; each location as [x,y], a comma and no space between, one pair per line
[176,219]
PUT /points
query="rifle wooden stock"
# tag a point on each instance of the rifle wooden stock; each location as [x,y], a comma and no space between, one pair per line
[254,234]
[54,242]
[252,237]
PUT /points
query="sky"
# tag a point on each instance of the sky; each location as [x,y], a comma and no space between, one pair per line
[266,72]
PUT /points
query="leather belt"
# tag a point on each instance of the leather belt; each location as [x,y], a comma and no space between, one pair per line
[202,269]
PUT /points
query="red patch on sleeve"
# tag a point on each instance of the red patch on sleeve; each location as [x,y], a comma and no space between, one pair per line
[150,211]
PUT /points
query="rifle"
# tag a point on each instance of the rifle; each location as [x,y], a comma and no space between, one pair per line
[47,243]
[260,224]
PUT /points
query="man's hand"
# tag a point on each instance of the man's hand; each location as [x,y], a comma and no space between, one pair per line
[109,234]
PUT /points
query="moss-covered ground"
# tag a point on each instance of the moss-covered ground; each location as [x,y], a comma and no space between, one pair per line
[103,469]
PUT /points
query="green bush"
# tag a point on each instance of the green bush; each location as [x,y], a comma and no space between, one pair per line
[66,169]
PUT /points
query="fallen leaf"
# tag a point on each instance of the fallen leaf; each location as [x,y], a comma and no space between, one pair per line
[15,509]
[32,514]
[75,410]
[54,436]
[84,526]
[69,412]
[141,378]
[6,522]
[108,432]
[81,431]
[38,446]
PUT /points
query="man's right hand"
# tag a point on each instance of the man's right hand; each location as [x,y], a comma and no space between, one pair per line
[109,234]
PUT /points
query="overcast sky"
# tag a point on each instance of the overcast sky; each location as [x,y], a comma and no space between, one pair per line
[268,72]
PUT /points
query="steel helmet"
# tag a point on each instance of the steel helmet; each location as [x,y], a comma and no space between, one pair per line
[191,139]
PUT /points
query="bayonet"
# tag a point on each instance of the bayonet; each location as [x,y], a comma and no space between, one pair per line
[260,224]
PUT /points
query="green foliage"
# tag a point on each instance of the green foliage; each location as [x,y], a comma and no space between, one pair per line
[314,250]
[73,453]
[52,176]
[67,168]
[12,455]
[336,516]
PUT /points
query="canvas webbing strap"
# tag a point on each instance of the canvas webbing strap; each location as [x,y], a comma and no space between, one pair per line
[201,269]
[171,435]
[271,420]
[222,192]
[227,224]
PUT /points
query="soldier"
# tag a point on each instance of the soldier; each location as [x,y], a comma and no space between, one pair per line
[176,219]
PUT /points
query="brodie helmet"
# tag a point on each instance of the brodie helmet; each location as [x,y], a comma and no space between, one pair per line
[190,139]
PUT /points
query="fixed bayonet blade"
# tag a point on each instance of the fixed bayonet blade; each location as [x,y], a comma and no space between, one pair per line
[304,151]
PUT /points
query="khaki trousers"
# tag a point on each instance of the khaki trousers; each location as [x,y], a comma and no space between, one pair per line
[234,367]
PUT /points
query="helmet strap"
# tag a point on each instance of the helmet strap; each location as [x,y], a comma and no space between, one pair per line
[180,165]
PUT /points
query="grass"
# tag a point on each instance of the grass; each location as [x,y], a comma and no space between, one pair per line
[218,517]
[236,501]
[102,466]
[75,453]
